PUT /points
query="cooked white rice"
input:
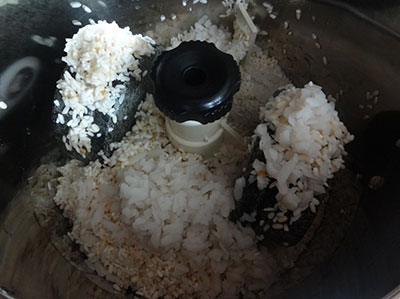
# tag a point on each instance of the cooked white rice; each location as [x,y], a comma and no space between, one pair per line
[97,55]
[205,30]
[156,219]
[304,151]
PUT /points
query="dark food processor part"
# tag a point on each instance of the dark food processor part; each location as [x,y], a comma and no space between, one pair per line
[125,113]
[195,81]
[259,203]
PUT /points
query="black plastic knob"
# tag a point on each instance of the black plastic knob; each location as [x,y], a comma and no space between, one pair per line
[195,81]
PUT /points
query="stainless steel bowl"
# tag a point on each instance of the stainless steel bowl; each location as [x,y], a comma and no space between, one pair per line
[355,52]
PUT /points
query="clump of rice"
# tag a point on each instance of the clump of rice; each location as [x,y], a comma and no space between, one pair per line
[205,30]
[98,55]
[157,219]
[303,141]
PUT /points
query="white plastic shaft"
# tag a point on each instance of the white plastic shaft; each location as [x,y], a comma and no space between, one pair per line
[194,137]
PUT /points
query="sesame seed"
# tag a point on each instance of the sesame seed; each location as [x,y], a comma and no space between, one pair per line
[277,226]
[314,36]
[75,4]
[298,14]
[286,24]
[76,23]
[101,3]
[3,105]
[86,8]
[61,119]
[269,209]
[282,219]
[376,182]
[268,7]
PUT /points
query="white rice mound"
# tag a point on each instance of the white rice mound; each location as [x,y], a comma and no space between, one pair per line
[205,30]
[157,219]
[304,150]
[97,55]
